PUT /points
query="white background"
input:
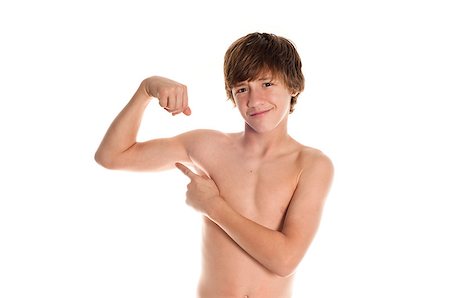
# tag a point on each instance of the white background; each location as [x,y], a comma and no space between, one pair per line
[377,83]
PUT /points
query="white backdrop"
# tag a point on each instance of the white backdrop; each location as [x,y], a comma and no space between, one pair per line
[377,76]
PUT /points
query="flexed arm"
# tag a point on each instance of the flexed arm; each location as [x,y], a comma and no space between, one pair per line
[119,149]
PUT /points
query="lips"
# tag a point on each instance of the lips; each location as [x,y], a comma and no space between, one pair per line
[259,112]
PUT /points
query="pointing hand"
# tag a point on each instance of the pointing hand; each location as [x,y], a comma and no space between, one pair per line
[202,192]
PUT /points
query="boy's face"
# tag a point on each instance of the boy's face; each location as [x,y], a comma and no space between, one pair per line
[263,103]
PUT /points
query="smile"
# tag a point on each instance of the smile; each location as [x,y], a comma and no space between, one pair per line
[259,113]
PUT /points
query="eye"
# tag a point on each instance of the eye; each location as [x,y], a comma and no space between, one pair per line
[268,84]
[240,90]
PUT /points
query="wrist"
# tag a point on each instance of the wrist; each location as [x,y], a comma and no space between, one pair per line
[216,207]
[142,93]
[147,87]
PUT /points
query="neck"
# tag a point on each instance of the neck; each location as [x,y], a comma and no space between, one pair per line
[264,143]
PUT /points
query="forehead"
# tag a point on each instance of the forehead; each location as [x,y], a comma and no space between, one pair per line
[263,74]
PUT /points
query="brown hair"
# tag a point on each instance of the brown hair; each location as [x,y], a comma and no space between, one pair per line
[255,53]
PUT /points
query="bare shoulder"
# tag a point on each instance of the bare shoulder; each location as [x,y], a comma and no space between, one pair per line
[313,162]
[204,147]
[204,137]
[201,141]
[309,155]
[206,133]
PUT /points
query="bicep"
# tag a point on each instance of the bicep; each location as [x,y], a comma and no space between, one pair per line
[157,154]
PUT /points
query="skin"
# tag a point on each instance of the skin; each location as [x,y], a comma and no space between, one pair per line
[260,192]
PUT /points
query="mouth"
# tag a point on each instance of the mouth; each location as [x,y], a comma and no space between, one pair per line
[259,113]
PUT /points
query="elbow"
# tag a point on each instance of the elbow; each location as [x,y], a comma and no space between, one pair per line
[286,266]
[104,160]
[284,271]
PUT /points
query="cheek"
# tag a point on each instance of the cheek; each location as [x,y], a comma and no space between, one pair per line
[240,102]
[284,101]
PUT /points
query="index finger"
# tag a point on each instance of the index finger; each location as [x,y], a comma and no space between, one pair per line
[185,170]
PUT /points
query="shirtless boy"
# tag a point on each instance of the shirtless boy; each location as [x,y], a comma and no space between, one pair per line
[261,193]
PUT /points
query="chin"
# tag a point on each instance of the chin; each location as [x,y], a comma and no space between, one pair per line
[260,128]
[264,126]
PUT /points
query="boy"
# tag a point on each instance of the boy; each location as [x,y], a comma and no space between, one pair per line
[260,192]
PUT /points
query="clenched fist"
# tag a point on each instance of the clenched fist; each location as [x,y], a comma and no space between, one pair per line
[172,95]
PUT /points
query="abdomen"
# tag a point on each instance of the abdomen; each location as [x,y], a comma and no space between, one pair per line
[228,271]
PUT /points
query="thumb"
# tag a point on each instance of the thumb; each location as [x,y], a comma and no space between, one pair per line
[187,111]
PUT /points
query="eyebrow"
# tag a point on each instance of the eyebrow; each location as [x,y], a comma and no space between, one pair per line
[240,84]
[265,78]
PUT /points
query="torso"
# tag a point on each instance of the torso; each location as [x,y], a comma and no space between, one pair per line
[257,188]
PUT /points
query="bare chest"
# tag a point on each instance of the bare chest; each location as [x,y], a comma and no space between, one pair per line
[258,190]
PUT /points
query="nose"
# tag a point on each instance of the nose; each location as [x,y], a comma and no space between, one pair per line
[256,97]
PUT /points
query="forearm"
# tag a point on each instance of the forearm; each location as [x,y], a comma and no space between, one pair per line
[123,131]
[270,248]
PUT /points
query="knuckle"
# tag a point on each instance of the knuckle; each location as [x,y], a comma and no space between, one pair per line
[162,93]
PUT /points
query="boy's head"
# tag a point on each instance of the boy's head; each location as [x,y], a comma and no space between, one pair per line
[257,53]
